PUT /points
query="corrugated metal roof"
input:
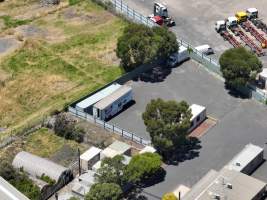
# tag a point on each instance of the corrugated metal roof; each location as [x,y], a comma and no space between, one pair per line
[196,110]
[242,159]
[37,166]
[90,153]
[108,100]
[9,192]
[98,96]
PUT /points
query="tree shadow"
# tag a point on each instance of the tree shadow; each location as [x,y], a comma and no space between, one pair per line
[157,74]
[188,150]
[136,194]
[158,177]
[241,93]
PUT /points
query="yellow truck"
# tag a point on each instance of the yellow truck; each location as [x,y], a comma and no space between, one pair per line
[241,16]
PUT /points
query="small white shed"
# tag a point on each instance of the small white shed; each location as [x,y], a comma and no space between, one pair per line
[90,157]
[109,153]
[198,116]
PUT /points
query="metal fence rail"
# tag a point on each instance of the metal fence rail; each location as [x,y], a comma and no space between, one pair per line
[109,127]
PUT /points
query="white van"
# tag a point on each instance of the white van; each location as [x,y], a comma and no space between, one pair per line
[205,49]
[179,57]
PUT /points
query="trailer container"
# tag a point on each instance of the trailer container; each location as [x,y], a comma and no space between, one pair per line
[113,103]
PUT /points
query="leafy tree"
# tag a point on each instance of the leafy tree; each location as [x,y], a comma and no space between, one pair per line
[169,196]
[167,123]
[239,66]
[167,42]
[143,166]
[104,191]
[111,171]
[140,44]
[66,128]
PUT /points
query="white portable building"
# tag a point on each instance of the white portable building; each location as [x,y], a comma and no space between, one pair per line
[247,160]
[87,103]
[96,166]
[113,103]
[198,116]
[90,157]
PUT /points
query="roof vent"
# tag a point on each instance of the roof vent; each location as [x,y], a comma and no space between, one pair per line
[229,186]
[238,164]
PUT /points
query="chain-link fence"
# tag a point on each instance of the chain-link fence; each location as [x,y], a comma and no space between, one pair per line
[109,127]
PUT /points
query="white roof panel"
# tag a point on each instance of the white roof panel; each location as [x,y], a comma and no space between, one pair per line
[108,100]
[119,146]
[9,192]
[108,152]
[264,73]
[90,153]
[98,96]
[243,158]
[196,110]
[252,10]
[148,149]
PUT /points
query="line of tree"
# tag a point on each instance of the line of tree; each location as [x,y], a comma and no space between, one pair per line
[239,66]
[167,122]
[113,177]
[140,44]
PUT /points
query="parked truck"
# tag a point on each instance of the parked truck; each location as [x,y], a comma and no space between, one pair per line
[179,57]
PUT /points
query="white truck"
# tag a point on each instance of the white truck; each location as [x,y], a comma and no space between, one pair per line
[179,57]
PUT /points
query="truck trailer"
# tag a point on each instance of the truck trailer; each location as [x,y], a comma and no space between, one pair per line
[113,103]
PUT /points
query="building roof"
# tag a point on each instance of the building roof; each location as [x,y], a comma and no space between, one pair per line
[148,149]
[108,152]
[98,96]
[263,74]
[119,146]
[37,166]
[9,192]
[87,178]
[230,19]
[251,10]
[226,184]
[90,153]
[196,110]
[243,158]
[108,100]
[96,166]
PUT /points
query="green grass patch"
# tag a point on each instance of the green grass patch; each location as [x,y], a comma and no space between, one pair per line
[45,143]
[12,23]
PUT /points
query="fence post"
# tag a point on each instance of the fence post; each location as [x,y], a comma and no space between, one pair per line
[141,140]
[133,14]
[113,128]
[122,132]
[104,125]
[121,5]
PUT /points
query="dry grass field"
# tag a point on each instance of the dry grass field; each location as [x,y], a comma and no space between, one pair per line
[62,56]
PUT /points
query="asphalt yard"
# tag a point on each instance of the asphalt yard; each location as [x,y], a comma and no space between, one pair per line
[239,121]
[195,20]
